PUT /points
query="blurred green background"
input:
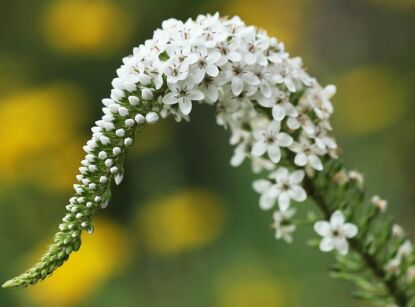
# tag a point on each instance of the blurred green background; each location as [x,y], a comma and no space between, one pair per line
[184,229]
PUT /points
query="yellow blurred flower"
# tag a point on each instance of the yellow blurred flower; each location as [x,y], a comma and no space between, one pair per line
[247,285]
[181,222]
[102,255]
[369,99]
[86,26]
[40,142]
[280,18]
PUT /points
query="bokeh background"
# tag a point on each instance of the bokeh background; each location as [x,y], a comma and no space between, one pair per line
[184,229]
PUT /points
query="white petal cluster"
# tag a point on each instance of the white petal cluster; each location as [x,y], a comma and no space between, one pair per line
[274,110]
[335,233]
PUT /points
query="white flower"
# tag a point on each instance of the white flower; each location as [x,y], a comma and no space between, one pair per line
[270,139]
[247,75]
[283,226]
[405,250]
[155,71]
[183,93]
[211,87]
[284,187]
[213,33]
[288,186]
[205,64]
[253,50]
[229,52]
[397,231]
[258,164]
[239,75]
[358,177]
[393,265]
[307,154]
[379,203]
[335,233]
[265,77]
[280,104]
[175,72]
[325,142]
[319,100]
[302,120]
[181,55]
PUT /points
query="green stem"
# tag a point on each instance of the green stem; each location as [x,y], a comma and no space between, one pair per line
[399,296]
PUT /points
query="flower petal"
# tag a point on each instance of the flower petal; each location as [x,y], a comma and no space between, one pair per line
[326,245]
[337,219]
[296,177]
[283,201]
[315,162]
[250,78]
[212,70]
[213,57]
[237,86]
[234,56]
[278,113]
[274,153]
[284,140]
[170,98]
[185,106]
[259,149]
[322,228]
[297,193]
[341,245]
[196,95]
[300,159]
[261,185]
[250,58]
[274,127]
[280,174]
[293,123]
[265,89]
[266,202]
[350,230]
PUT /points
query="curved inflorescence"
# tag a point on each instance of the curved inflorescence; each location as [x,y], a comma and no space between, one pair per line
[278,116]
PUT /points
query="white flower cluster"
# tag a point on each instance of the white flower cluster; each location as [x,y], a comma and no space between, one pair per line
[274,110]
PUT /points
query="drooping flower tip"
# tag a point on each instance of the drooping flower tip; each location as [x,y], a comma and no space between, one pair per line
[9,284]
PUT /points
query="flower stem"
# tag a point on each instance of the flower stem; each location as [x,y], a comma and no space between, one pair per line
[390,283]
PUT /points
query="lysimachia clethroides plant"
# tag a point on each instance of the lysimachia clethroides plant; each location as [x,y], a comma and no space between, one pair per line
[278,117]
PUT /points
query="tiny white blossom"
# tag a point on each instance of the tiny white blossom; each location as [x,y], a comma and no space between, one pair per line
[270,139]
[307,154]
[397,231]
[283,226]
[283,187]
[175,72]
[183,93]
[319,100]
[379,203]
[240,76]
[229,52]
[205,65]
[335,233]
